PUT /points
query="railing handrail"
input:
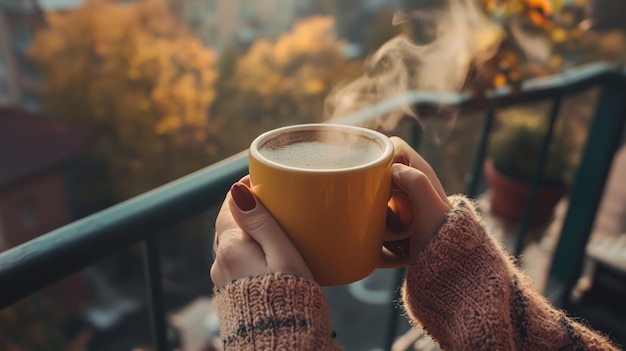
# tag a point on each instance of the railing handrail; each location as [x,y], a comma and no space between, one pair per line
[87,240]
[568,82]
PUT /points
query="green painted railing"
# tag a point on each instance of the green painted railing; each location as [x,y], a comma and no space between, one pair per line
[30,267]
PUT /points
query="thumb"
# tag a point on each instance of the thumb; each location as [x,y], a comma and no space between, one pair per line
[254,219]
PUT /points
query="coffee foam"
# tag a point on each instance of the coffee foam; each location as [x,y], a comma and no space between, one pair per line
[321,149]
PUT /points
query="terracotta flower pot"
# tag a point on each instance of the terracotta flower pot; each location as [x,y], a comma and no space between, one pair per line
[508,196]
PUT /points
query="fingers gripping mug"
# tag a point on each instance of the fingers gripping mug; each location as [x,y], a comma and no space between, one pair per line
[328,187]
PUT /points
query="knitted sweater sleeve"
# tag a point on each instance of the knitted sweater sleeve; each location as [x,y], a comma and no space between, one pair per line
[467,293]
[274,312]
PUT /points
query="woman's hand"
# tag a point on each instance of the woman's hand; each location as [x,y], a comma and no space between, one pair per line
[425,211]
[249,241]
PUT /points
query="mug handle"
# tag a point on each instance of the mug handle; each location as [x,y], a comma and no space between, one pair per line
[400,204]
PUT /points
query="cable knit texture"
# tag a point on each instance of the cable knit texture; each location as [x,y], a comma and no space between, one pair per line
[274,312]
[463,289]
[468,294]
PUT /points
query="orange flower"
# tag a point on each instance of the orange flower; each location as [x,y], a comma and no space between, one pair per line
[539,11]
[499,80]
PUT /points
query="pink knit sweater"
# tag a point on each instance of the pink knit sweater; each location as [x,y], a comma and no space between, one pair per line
[463,289]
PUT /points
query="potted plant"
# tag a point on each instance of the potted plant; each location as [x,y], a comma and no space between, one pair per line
[514,151]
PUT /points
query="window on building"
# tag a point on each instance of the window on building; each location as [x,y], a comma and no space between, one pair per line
[28,211]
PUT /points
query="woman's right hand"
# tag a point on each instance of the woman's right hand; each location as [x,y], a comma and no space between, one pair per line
[427,203]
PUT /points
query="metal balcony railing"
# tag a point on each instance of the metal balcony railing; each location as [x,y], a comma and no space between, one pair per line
[32,266]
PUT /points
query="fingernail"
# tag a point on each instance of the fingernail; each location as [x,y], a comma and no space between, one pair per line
[243,197]
[395,170]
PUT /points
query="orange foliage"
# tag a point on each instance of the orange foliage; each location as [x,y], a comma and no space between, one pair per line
[281,81]
[134,73]
[544,37]
[303,62]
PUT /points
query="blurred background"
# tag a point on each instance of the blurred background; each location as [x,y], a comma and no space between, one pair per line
[103,100]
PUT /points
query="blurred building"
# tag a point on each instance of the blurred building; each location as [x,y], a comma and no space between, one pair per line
[35,153]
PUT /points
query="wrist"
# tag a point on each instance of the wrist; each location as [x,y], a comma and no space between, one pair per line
[264,307]
[437,215]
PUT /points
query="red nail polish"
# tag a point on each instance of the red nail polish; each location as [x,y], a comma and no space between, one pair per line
[243,197]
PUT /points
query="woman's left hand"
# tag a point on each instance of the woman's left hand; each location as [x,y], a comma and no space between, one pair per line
[249,241]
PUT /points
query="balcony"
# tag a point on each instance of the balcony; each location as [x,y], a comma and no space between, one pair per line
[34,265]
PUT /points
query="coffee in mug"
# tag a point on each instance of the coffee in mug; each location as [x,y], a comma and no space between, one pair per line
[321,149]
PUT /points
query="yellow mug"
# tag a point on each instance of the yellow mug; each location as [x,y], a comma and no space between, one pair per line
[328,186]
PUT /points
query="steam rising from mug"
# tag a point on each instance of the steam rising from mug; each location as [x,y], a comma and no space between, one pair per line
[463,36]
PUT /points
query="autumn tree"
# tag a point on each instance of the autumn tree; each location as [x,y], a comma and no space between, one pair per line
[283,81]
[137,77]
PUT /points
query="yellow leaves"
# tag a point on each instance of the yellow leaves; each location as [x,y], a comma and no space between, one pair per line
[517,7]
[556,62]
[314,87]
[568,19]
[131,70]
[168,124]
[297,63]
[556,27]
[523,121]
[558,35]
[155,17]
[558,4]
[486,41]
[490,5]
[309,36]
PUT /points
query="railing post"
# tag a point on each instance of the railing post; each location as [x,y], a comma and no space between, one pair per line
[154,287]
[602,141]
[392,324]
[68,249]
[472,186]
[541,163]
